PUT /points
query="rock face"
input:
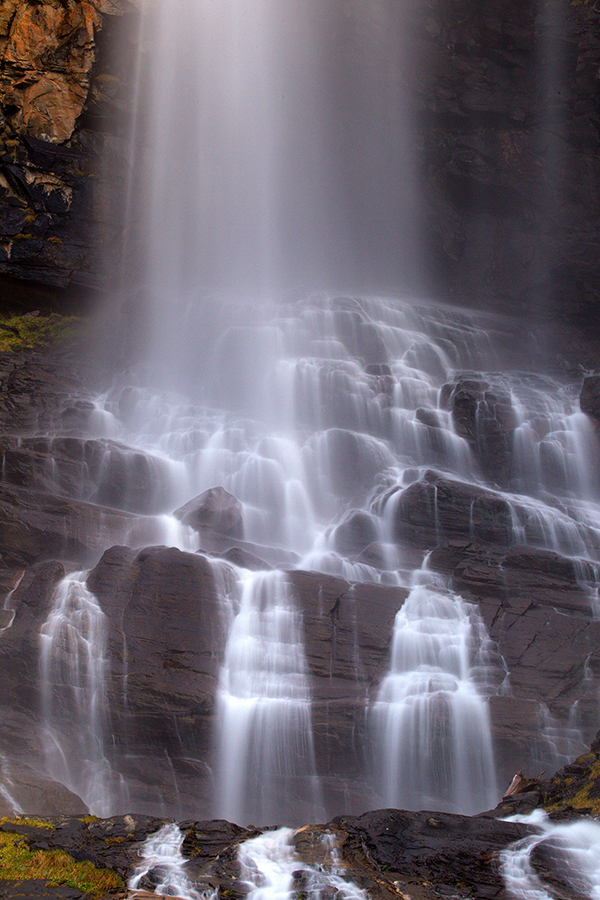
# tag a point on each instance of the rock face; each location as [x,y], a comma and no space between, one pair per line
[508,163]
[58,104]
[166,614]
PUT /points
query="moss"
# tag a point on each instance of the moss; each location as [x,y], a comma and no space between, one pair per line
[19,862]
[119,840]
[588,797]
[28,820]
[21,333]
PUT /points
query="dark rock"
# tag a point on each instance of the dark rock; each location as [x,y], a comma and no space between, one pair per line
[244,559]
[436,507]
[355,533]
[99,471]
[39,526]
[167,636]
[421,848]
[484,416]
[589,400]
[214,510]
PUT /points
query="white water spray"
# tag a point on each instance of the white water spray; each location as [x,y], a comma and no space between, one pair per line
[163,866]
[430,721]
[571,850]
[265,752]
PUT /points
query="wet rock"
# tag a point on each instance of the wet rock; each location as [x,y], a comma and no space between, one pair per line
[436,507]
[484,416]
[167,635]
[38,526]
[99,471]
[214,510]
[34,791]
[353,461]
[589,400]
[572,791]
[355,533]
[539,612]
[413,849]
[245,560]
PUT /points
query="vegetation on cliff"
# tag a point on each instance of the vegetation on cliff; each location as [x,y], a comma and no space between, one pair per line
[29,332]
[20,862]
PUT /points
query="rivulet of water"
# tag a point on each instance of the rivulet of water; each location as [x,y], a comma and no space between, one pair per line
[430,717]
[568,850]
[73,665]
[163,867]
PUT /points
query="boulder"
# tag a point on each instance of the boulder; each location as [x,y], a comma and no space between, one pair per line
[214,510]
[436,507]
[355,533]
[484,416]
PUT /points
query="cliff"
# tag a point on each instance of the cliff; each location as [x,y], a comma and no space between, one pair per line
[62,145]
[505,103]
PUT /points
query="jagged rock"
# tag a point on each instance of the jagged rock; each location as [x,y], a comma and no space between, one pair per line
[214,510]
[573,790]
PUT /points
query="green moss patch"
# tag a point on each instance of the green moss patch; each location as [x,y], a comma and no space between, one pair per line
[18,862]
[30,332]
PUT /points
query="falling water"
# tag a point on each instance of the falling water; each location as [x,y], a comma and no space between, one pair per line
[272,870]
[164,867]
[265,749]
[570,851]
[430,716]
[73,672]
[276,154]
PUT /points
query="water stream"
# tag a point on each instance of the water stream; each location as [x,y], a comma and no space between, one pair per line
[568,852]
[75,714]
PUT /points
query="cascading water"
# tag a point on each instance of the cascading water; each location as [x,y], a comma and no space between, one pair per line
[72,671]
[568,850]
[319,446]
[265,749]
[273,871]
[317,411]
[430,717]
[163,866]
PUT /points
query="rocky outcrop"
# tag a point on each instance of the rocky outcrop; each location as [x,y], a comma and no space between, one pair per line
[215,510]
[573,790]
[59,102]
[484,416]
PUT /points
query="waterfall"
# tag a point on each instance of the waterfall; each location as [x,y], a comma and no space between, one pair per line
[430,718]
[273,870]
[265,752]
[163,867]
[73,664]
[280,357]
